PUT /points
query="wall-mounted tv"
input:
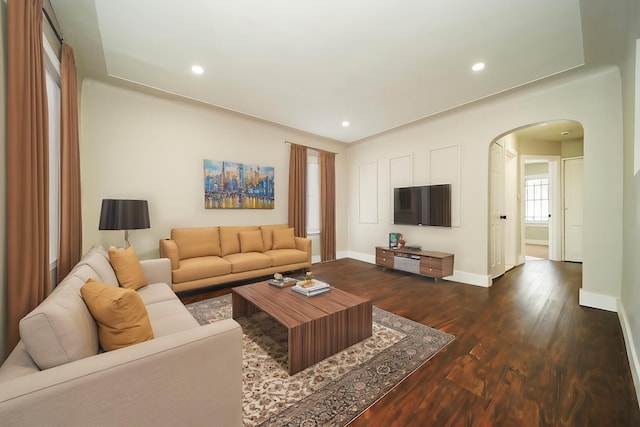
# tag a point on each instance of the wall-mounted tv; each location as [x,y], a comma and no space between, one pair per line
[423,205]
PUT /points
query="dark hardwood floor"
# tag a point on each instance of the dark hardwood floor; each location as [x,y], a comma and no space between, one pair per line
[525,353]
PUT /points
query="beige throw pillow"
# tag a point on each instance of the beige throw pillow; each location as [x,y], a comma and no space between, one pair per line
[251,241]
[284,239]
[127,266]
[120,313]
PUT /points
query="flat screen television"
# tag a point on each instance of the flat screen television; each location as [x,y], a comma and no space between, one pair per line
[423,205]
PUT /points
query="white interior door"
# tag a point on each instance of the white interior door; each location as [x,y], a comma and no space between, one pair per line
[497,214]
[573,202]
[512,237]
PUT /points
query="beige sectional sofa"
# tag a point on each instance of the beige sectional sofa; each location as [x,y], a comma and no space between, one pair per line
[57,375]
[206,256]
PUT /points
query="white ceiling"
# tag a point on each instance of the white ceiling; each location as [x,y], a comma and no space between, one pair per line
[310,64]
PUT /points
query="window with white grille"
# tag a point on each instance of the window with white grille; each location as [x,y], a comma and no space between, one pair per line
[536,200]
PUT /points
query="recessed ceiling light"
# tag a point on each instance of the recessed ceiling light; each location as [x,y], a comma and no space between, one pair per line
[477,67]
[197,69]
[345,124]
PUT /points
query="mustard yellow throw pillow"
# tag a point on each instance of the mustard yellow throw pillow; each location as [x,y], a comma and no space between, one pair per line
[284,239]
[127,266]
[251,241]
[120,313]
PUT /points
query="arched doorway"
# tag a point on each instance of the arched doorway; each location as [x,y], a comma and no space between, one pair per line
[513,212]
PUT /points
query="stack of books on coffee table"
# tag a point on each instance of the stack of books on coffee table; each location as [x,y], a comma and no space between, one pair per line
[316,288]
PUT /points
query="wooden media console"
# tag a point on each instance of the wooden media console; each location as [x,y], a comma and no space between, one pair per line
[425,263]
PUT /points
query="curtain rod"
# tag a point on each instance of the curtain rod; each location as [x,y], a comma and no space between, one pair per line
[53,27]
[313,148]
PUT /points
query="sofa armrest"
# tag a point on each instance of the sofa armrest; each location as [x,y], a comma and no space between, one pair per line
[304,244]
[169,249]
[189,378]
[157,270]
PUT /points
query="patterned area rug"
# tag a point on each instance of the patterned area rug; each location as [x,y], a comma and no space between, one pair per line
[334,391]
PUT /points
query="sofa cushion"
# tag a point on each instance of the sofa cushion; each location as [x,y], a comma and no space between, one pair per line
[168,317]
[251,241]
[247,262]
[197,241]
[156,292]
[61,329]
[267,234]
[200,268]
[82,272]
[121,315]
[127,266]
[283,239]
[287,256]
[230,240]
[98,259]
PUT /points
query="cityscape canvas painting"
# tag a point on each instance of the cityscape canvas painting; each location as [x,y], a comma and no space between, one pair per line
[232,185]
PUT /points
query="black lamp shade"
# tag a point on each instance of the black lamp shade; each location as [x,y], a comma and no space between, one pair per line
[120,214]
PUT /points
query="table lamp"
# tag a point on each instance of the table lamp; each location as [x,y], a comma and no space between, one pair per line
[123,214]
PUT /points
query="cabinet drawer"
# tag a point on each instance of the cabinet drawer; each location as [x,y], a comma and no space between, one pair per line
[430,266]
[430,262]
[384,258]
[385,261]
[431,272]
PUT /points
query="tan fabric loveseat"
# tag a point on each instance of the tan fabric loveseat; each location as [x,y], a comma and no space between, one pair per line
[206,256]
[58,375]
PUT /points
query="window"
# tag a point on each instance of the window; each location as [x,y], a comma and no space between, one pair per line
[313,192]
[53,100]
[536,200]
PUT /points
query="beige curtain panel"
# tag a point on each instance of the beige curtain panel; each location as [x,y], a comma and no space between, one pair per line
[327,206]
[27,164]
[298,189]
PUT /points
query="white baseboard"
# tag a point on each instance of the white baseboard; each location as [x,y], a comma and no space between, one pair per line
[317,258]
[370,258]
[632,355]
[484,281]
[599,301]
[458,276]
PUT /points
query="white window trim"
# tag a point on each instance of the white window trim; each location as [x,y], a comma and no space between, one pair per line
[53,69]
[52,62]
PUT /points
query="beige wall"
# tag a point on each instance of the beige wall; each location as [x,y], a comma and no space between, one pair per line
[533,147]
[3,187]
[591,99]
[572,148]
[136,145]
[629,304]
[541,168]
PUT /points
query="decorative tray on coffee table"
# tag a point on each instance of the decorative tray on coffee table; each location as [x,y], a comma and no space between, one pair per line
[282,283]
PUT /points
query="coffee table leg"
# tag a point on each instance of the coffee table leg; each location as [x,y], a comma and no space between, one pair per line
[309,343]
[240,307]
[295,358]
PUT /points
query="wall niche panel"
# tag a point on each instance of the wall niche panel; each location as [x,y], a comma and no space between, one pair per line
[444,168]
[400,175]
[368,193]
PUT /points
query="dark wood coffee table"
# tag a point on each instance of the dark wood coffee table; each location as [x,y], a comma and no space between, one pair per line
[318,326]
